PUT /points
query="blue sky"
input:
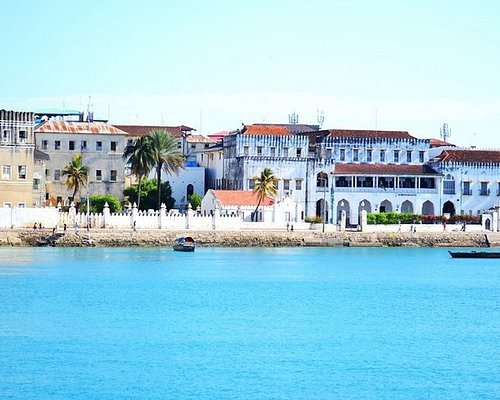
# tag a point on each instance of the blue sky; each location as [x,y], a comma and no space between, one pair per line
[213,65]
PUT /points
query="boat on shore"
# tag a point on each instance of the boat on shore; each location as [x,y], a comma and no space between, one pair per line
[474,254]
[185,243]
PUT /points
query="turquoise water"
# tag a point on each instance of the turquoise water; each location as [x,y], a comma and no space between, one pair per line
[294,323]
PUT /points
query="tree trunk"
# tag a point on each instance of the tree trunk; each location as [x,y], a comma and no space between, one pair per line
[158,181]
[254,216]
[139,194]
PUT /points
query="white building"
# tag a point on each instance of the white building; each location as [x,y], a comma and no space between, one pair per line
[101,146]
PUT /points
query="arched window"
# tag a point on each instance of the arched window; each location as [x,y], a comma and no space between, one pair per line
[189,190]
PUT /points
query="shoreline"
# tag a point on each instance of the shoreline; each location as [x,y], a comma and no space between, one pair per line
[163,238]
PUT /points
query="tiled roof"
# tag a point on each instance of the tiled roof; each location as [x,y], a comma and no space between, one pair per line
[440,143]
[271,130]
[383,169]
[56,126]
[294,128]
[199,139]
[240,198]
[470,156]
[143,130]
[354,133]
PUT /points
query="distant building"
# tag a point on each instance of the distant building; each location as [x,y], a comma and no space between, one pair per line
[17,146]
[101,146]
[191,179]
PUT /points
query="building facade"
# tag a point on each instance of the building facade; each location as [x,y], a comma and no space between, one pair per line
[17,145]
[101,147]
[327,172]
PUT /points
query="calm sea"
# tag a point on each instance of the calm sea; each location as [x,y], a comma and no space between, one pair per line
[249,323]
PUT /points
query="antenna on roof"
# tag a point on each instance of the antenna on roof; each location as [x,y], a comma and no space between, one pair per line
[445,132]
[320,117]
[90,112]
[293,118]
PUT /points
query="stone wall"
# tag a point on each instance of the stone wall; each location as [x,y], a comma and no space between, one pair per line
[155,238]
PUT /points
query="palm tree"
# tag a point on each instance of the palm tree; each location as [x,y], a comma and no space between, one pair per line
[265,186]
[166,155]
[141,160]
[77,174]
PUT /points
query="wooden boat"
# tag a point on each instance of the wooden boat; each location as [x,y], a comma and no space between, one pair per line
[185,243]
[474,254]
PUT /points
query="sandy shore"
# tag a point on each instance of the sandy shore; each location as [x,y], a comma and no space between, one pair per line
[152,238]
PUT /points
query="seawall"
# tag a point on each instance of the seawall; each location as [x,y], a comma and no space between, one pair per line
[155,238]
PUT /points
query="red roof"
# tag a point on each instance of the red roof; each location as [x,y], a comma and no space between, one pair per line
[56,126]
[240,198]
[271,130]
[440,143]
[383,169]
[143,130]
[470,156]
[354,133]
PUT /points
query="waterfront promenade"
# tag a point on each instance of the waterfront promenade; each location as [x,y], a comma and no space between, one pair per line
[156,238]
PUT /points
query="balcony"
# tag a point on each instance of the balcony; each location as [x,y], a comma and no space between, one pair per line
[400,191]
[467,192]
[484,192]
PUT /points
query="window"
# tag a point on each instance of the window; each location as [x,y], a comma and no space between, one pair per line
[57,145]
[498,188]
[251,184]
[57,175]
[193,145]
[448,185]
[396,156]
[45,144]
[211,157]
[36,183]
[483,191]
[6,135]
[98,175]
[328,154]
[6,172]
[259,150]
[207,145]
[285,152]
[23,135]
[21,171]
[342,154]
[114,144]
[71,145]
[355,155]
[83,145]
[245,150]
[298,184]
[408,156]
[299,152]
[382,155]
[369,153]
[46,173]
[21,205]
[113,175]
[7,205]
[286,184]
[273,151]
[466,187]
[421,156]
[98,146]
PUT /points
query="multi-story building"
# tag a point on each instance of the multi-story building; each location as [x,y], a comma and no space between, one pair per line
[101,146]
[326,172]
[17,145]
[471,180]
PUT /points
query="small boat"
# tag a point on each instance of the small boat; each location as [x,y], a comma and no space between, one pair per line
[185,243]
[474,254]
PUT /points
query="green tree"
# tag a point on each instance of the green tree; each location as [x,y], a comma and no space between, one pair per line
[140,157]
[195,200]
[148,194]
[97,202]
[264,186]
[76,173]
[166,155]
